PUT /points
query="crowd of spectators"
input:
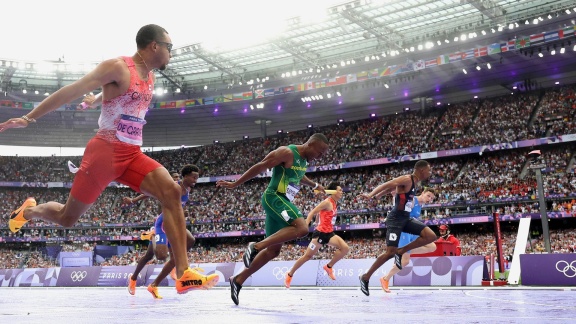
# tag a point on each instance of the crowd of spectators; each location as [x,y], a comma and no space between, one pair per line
[480,178]
[478,122]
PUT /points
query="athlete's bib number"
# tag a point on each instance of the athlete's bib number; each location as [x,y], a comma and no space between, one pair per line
[129,129]
[409,206]
[291,191]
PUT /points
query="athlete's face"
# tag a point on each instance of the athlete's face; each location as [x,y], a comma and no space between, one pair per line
[339,193]
[164,51]
[191,179]
[424,173]
[317,150]
[428,197]
[175,176]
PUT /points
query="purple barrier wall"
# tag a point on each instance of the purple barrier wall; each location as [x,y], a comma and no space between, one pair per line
[548,269]
[425,271]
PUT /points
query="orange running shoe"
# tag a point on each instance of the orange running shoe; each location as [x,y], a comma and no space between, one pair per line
[192,279]
[17,217]
[385,283]
[154,291]
[287,280]
[329,272]
[148,235]
[131,286]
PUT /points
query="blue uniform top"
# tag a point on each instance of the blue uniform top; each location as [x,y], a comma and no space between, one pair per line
[406,238]
[416,210]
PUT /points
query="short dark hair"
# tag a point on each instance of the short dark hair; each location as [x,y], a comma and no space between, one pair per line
[333,185]
[318,137]
[189,168]
[421,164]
[149,33]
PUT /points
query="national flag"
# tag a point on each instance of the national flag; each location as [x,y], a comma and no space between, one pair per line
[508,46]
[247,95]
[301,86]
[288,89]
[494,48]
[268,92]
[431,63]
[351,78]
[373,74]
[481,51]
[228,98]
[28,105]
[536,38]
[258,93]
[522,42]
[550,36]
[443,59]
[309,85]
[218,99]
[455,57]
[278,91]
[180,103]
[237,97]
[467,54]
[566,32]
[362,76]
[336,81]
[419,65]
[208,100]
[167,104]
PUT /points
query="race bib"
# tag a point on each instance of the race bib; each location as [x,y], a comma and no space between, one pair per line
[334,218]
[129,129]
[409,206]
[291,191]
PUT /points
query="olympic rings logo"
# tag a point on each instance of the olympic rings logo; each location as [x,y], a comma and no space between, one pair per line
[280,272]
[78,275]
[568,269]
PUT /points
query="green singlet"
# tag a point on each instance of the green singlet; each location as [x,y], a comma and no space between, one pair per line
[281,190]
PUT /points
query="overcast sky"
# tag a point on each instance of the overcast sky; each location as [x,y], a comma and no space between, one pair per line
[97,30]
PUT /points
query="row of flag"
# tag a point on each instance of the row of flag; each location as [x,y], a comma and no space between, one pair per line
[495,48]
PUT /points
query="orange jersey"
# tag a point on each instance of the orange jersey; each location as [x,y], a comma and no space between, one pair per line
[327,218]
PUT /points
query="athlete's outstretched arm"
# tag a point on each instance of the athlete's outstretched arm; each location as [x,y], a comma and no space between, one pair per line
[106,72]
[279,156]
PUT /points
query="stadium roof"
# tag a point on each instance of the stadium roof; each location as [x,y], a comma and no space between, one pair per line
[357,36]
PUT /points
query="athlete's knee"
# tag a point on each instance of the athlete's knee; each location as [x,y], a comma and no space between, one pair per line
[391,250]
[161,255]
[170,195]
[301,230]
[428,235]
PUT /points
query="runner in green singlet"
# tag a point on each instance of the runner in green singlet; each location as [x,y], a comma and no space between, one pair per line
[284,222]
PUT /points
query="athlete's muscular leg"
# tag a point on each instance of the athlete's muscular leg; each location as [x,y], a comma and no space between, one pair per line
[427,236]
[143,261]
[168,266]
[342,249]
[65,215]
[380,260]
[159,184]
[297,229]
[312,249]
[259,261]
